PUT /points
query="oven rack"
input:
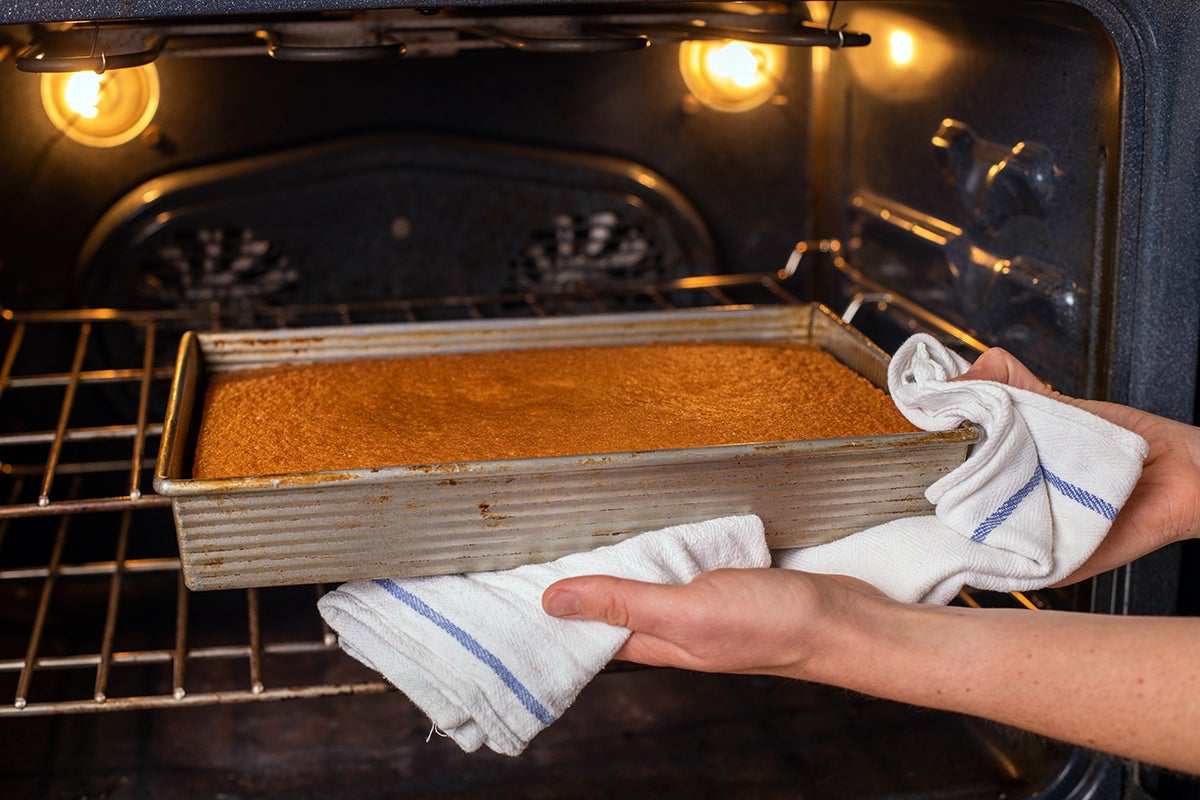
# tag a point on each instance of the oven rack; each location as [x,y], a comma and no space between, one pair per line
[94,615]
[385,35]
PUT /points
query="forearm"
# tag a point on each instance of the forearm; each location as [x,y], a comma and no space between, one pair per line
[1124,685]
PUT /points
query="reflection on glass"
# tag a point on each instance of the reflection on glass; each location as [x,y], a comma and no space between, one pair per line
[908,64]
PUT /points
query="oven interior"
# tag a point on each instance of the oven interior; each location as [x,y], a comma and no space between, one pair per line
[967,173]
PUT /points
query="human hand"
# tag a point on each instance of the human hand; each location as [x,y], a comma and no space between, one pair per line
[750,621]
[1164,507]
[1023,669]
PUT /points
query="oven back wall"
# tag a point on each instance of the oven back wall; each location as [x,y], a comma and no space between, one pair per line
[745,173]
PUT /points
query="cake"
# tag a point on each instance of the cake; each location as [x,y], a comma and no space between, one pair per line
[560,401]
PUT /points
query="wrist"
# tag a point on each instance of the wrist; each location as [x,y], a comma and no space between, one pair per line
[908,652]
[855,627]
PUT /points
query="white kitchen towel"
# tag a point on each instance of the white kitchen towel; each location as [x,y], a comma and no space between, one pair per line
[478,654]
[1024,511]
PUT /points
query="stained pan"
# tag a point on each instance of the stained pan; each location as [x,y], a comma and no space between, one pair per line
[429,519]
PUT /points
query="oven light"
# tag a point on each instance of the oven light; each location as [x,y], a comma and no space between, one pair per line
[82,94]
[900,47]
[101,109]
[734,62]
[731,75]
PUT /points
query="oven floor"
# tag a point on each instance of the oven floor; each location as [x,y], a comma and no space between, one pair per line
[632,733]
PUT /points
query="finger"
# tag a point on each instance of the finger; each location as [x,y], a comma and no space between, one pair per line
[641,608]
[653,651]
[616,601]
[1001,366]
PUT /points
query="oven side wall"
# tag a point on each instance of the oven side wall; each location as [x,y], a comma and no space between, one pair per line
[1107,87]
[1103,87]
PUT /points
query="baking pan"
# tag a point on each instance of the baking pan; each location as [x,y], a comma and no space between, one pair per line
[429,519]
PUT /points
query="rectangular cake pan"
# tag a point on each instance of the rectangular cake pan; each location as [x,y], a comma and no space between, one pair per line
[429,519]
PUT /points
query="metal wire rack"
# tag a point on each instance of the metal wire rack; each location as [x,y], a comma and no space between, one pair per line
[94,614]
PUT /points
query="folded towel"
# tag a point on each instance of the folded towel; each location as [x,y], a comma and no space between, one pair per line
[1024,511]
[477,653]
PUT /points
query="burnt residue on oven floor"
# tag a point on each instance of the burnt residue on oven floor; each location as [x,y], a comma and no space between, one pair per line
[632,732]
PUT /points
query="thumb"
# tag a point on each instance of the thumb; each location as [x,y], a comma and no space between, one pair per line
[1001,366]
[616,601]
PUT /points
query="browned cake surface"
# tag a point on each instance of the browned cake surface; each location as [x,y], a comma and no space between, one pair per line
[525,403]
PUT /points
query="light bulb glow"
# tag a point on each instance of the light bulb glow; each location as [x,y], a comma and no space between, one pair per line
[901,47]
[102,109]
[731,75]
[82,94]
[734,61]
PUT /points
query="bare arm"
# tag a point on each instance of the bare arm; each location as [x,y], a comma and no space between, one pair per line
[1124,685]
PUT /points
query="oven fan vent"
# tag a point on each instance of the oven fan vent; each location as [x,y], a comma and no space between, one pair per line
[389,216]
[229,267]
[596,249]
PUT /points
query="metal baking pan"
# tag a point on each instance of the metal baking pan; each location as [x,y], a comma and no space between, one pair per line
[450,518]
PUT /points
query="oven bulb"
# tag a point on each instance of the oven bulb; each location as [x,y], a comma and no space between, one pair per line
[901,47]
[102,109]
[731,75]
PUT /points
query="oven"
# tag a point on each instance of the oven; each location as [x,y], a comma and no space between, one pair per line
[1018,174]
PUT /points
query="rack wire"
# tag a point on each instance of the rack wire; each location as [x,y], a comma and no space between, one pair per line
[392,34]
[94,615]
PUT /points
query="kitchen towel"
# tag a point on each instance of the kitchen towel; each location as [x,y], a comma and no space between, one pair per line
[478,654]
[1024,511]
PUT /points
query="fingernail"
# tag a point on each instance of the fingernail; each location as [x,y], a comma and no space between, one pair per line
[562,604]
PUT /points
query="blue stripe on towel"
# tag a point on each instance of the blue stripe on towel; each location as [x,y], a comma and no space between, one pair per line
[472,646]
[997,517]
[1083,497]
[1066,489]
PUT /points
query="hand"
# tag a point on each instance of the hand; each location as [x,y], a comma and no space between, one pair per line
[1164,506]
[751,621]
[1135,694]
